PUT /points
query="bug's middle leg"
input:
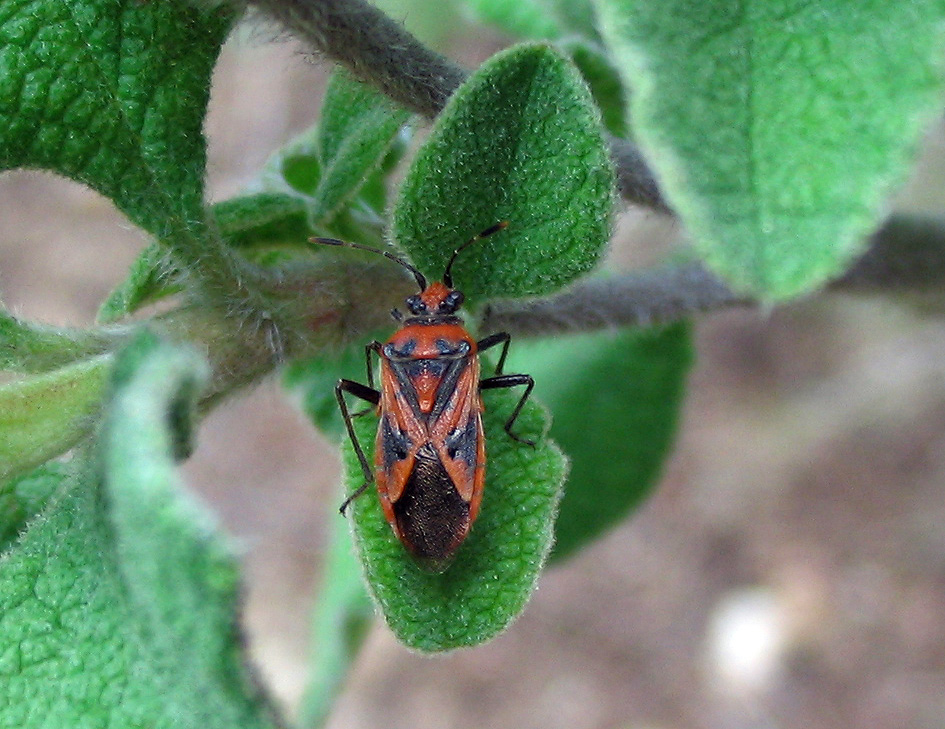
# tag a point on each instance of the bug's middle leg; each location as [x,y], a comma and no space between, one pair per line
[501,381]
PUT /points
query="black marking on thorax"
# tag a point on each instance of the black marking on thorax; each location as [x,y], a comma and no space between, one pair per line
[447,368]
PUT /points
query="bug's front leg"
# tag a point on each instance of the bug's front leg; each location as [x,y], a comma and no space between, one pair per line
[374,347]
[372,396]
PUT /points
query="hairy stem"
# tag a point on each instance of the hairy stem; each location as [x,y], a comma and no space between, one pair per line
[907,252]
[379,51]
[373,47]
[641,298]
[906,255]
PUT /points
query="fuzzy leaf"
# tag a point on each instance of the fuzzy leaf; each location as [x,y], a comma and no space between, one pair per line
[150,278]
[23,498]
[520,141]
[539,19]
[778,129]
[519,18]
[250,222]
[340,625]
[28,347]
[347,155]
[604,81]
[262,220]
[357,126]
[112,93]
[615,399]
[42,416]
[496,569]
[577,17]
[312,381]
[125,617]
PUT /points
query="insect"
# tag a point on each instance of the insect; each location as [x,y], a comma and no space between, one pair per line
[430,457]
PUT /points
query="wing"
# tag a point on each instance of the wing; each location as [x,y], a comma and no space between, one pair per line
[455,429]
[431,518]
[430,466]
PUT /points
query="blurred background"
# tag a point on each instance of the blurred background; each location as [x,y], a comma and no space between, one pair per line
[788,572]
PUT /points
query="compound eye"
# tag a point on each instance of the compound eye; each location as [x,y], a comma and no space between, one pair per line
[453,300]
[415,305]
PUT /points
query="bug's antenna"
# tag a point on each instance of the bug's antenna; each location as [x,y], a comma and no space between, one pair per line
[421,280]
[447,276]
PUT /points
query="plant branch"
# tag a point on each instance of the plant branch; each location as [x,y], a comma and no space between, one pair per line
[641,298]
[907,253]
[381,52]
[905,256]
[373,47]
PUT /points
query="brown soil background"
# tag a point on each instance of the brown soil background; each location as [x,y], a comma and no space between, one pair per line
[806,489]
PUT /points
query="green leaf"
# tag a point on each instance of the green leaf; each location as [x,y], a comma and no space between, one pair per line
[119,604]
[616,400]
[340,625]
[604,81]
[357,127]
[42,416]
[538,19]
[151,277]
[249,222]
[112,93]
[352,148]
[28,347]
[496,569]
[778,129]
[294,168]
[520,141]
[519,18]
[577,17]
[312,382]
[373,193]
[23,498]
[261,220]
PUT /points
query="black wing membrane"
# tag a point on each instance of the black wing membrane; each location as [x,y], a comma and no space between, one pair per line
[431,515]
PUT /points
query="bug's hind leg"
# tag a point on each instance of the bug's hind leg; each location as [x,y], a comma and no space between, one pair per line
[344,504]
[372,396]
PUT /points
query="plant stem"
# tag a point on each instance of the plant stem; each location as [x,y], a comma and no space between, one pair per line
[641,298]
[907,253]
[905,256]
[373,47]
[379,51]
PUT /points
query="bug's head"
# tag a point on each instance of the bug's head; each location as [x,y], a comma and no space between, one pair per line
[437,299]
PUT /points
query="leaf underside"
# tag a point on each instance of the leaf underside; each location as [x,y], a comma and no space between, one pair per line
[779,129]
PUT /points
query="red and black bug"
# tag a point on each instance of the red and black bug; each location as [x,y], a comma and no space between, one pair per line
[429,454]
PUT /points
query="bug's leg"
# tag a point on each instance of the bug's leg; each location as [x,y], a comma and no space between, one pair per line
[375,347]
[492,340]
[372,396]
[493,383]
